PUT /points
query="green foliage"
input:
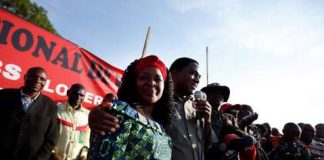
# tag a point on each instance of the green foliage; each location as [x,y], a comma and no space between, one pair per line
[29,11]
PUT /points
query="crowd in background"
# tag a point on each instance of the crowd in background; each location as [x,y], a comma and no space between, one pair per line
[156,114]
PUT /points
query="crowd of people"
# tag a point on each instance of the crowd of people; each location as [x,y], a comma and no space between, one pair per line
[154,115]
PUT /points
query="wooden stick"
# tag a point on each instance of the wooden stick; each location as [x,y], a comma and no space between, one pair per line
[207,64]
[147,39]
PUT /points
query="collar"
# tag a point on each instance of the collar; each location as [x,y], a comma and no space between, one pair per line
[183,98]
[25,95]
[70,108]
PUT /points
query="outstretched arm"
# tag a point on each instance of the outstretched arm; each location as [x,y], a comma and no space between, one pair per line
[102,122]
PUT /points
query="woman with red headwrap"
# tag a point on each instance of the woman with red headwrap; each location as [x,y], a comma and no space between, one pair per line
[143,109]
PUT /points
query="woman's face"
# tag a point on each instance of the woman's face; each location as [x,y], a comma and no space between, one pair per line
[149,85]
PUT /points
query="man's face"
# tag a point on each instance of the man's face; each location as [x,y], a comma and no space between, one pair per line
[307,135]
[215,99]
[35,80]
[292,133]
[320,132]
[187,79]
[76,96]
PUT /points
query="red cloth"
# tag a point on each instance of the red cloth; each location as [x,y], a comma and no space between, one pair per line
[275,141]
[229,137]
[227,106]
[249,154]
[70,124]
[152,61]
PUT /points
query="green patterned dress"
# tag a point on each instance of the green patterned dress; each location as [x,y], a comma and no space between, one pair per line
[138,138]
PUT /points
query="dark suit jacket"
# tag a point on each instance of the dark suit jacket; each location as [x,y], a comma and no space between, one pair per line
[26,135]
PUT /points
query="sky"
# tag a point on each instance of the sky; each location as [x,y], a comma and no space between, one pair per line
[270,52]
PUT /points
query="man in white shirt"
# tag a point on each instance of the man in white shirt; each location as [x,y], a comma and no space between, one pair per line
[74,132]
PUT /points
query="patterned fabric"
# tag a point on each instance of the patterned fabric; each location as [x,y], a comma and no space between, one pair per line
[317,149]
[138,138]
[321,140]
[290,151]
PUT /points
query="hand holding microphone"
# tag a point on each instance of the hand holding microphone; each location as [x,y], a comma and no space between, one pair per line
[199,95]
[203,108]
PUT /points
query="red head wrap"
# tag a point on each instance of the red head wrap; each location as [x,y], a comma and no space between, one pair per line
[151,61]
[224,107]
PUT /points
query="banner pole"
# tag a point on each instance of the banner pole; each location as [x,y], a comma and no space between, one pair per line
[147,39]
[207,65]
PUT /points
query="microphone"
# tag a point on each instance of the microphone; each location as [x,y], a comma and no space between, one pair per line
[199,95]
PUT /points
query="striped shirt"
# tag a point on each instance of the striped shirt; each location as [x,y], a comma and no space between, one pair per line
[317,148]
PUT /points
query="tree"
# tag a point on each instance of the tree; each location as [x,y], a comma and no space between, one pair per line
[29,11]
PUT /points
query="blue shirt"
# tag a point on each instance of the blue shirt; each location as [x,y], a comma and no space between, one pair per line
[26,100]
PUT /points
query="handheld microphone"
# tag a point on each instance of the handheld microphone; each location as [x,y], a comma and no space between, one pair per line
[199,95]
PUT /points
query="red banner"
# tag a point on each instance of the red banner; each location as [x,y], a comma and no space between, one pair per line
[24,45]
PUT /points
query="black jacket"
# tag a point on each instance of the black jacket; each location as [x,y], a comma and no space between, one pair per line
[26,135]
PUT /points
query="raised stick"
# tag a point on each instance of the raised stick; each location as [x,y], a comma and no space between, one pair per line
[207,64]
[147,39]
